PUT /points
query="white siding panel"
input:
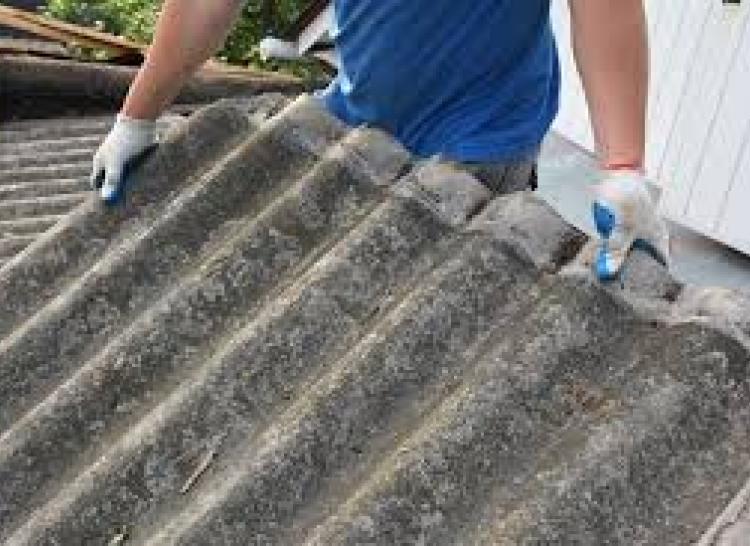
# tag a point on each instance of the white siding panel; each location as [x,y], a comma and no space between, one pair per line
[734,226]
[669,79]
[663,49]
[699,116]
[700,107]
[721,156]
[655,9]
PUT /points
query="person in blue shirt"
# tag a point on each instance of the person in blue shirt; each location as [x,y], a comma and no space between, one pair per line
[472,81]
[475,83]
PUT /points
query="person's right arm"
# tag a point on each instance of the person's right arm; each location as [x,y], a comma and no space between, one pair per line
[188,33]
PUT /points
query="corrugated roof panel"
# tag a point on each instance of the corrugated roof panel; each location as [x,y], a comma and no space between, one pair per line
[292,334]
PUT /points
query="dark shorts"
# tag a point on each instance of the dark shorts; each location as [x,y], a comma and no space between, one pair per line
[502,178]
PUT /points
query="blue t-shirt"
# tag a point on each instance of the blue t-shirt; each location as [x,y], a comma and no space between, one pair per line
[469,80]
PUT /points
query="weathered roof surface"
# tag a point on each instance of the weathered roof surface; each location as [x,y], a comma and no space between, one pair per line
[288,337]
[44,168]
[44,163]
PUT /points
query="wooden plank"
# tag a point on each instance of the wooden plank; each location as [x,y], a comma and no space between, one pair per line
[655,11]
[73,29]
[65,32]
[38,30]
[41,48]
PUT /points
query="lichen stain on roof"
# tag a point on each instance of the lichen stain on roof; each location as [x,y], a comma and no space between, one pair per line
[290,336]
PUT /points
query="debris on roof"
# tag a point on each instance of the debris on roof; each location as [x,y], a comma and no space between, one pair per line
[292,334]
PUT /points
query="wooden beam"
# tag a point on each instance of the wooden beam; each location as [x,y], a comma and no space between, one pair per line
[67,33]
[41,48]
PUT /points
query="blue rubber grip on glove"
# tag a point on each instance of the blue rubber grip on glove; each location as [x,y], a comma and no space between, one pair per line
[606,221]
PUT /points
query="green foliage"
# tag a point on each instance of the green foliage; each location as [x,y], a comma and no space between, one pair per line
[136,19]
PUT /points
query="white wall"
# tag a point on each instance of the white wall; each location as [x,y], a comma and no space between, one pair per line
[699,119]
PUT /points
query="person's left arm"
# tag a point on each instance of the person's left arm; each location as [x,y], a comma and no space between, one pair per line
[610,43]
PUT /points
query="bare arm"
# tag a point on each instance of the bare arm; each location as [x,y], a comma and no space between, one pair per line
[187,34]
[610,41]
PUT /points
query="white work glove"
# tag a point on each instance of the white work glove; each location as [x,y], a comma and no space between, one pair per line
[626,217]
[273,48]
[128,141]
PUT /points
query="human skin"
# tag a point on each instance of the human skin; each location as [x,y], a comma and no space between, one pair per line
[188,33]
[610,42]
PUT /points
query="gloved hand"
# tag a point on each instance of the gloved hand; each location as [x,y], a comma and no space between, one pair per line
[127,142]
[626,217]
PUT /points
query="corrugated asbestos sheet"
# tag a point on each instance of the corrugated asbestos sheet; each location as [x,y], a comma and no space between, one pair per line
[44,169]
[289,337]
